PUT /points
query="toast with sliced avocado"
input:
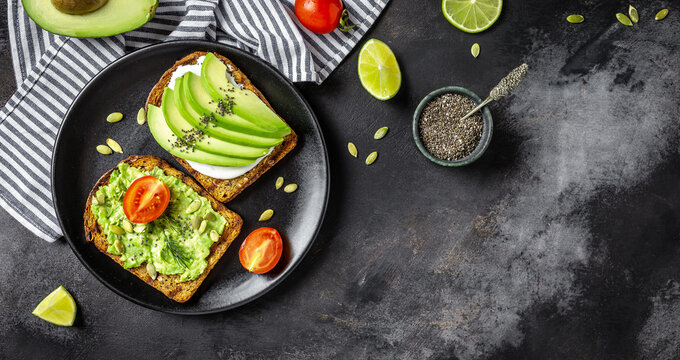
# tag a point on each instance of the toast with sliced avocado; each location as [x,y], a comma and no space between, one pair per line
[218,118]
[183,244]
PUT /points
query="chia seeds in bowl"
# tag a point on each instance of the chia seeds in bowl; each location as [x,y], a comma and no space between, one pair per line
[441,135]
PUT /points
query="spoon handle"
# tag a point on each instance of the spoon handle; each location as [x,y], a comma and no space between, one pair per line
[488,100]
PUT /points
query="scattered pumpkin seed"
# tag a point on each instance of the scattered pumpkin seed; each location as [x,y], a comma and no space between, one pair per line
[380,133]
[101,199]
[633,13]
[279,182]
[214,236]
[141,116]
[623,19]
[475,50]
[151,270]
[104,150]
[114,146]
[661,15]
[202,227]
[209,217]
[193,206]
[140,228]
[196,222]
[371,158]
[117,230]
[266,215]
[575,18]
[114,117]
[127,226]
[290,188]
[119,246]
[352,149]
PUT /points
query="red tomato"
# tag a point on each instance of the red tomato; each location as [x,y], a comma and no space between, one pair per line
[146,199]
[319,16]
[261,250]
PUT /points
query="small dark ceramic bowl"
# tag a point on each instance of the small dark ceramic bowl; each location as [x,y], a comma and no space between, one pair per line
[487,131]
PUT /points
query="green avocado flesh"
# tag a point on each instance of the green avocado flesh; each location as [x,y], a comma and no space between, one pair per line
[181,128]
[218,83]
[115,17]
[170,243]
[166,138]
[211,128]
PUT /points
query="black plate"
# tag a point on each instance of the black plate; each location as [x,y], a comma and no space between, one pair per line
[123,86]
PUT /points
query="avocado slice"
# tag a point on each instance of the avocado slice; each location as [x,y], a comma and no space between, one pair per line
[182,128]
[202,103]
[114,17]
[211,128]
[165,137]
[218,82]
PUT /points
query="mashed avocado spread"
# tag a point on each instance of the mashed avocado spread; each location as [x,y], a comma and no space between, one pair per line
[170,242]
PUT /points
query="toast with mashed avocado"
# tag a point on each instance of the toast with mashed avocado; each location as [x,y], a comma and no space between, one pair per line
[230,125]
[182,245]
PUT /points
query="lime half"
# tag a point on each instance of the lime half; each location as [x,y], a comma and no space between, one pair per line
[472,16]
[58,308]
[378,70]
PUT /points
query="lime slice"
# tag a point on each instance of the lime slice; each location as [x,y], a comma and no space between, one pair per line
[58,308]
[378,70]
[472,16]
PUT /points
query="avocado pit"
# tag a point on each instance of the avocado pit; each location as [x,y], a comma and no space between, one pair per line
[78,7]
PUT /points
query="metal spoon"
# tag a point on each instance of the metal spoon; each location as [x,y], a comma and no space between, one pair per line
[503,88]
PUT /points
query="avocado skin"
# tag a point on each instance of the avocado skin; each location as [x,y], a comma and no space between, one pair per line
[114,17]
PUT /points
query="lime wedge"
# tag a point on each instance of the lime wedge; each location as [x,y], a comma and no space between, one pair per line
[58,308]
[378,70]
[472,16]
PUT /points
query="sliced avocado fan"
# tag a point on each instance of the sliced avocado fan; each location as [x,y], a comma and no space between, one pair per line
[114,17]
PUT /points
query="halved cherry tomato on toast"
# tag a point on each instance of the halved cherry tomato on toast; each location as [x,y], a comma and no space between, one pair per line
[146,199]
[261,250]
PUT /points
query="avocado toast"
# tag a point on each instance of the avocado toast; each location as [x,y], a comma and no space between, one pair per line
[241,131]
[171,285]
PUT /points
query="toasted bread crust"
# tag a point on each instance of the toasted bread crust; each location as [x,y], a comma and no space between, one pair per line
[225,190]
[167,284]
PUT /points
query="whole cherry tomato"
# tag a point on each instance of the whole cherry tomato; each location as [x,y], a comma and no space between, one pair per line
[322,16]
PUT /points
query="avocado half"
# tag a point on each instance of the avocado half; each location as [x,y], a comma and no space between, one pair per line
[115,17]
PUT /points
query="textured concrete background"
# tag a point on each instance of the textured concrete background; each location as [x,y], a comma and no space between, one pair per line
[562,242]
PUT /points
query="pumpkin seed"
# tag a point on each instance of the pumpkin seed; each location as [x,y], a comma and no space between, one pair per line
[266,215]
[290,188]
[196,222]
[380,133]
[214,236]
[95,201]
[661,15]
[210,217]
[104,150]
[119,246]
[193,206]
[575,18]
[117,230]
[141,116]
[140,228]
[475,50]
[114,117]
[633,13]
[279,182]
[114,146]
[371,158]
[201,228]
[101,199]
[352,149]
[127,226]
[151,270]
[623,19]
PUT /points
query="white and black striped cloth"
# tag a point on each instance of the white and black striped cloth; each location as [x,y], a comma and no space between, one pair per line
[51,70]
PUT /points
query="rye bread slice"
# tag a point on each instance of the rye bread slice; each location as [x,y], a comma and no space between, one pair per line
[225,190]
[167,284]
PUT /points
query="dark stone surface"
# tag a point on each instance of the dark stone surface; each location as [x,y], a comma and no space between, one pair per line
[560,243]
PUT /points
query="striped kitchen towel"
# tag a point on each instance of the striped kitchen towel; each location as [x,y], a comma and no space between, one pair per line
[51,70]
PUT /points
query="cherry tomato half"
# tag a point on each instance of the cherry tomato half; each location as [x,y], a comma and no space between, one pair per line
[261,250]
[146,199]
[319,16]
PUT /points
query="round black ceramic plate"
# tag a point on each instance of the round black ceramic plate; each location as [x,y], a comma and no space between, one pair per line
[123,86]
